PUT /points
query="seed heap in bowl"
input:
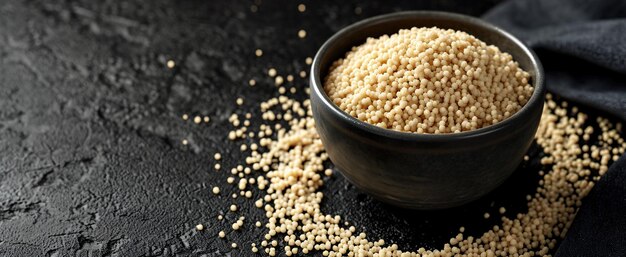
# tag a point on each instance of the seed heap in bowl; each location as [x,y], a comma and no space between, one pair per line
[428,80]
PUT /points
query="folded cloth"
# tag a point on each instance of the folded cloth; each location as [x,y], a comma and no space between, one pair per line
[582,45]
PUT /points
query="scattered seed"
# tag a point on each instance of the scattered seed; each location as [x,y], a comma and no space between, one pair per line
[171,64]
[278,80]
[301,33]
[271,72]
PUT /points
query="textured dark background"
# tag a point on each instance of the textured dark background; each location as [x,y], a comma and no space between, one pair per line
[91,160]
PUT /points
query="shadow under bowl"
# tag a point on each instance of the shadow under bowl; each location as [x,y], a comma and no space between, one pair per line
[424,171]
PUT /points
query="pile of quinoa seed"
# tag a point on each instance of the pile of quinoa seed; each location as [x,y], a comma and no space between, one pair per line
[286,162]
[428,80]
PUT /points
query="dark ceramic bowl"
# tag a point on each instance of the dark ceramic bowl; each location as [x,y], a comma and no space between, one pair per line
[424,171]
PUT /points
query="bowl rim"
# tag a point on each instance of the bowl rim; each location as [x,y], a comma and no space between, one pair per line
[536,97]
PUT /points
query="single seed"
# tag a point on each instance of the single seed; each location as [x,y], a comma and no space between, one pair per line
[486,215]
[233,245]
[258,52]
[271,72]
[252,82]
[278,80]
[217,166]
[171,64]
[239,101]
[185,142]
[199,227]
[221,234]
[301,33]
[217,156]
[185,117]
[233,208]
[308,60]
[216,190]
[301,8]
[197,119]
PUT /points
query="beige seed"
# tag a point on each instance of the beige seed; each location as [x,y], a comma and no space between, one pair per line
[197,119]
[216,190]
[271,72]
[301,8]
[221,234]
[199,227]
[278,80]
[301,33]
[258,53]
[171,64]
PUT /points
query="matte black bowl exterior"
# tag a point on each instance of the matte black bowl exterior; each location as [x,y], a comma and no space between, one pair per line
[424,171]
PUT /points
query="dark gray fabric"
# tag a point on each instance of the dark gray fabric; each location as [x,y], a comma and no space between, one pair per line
[582,45]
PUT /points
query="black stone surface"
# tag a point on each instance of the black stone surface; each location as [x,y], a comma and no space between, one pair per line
[91,160]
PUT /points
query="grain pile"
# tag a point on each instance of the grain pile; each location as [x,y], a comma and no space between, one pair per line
[286,157]
[428,80]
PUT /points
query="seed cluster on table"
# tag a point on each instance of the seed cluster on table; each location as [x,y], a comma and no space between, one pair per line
[286,161]
[428,80]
